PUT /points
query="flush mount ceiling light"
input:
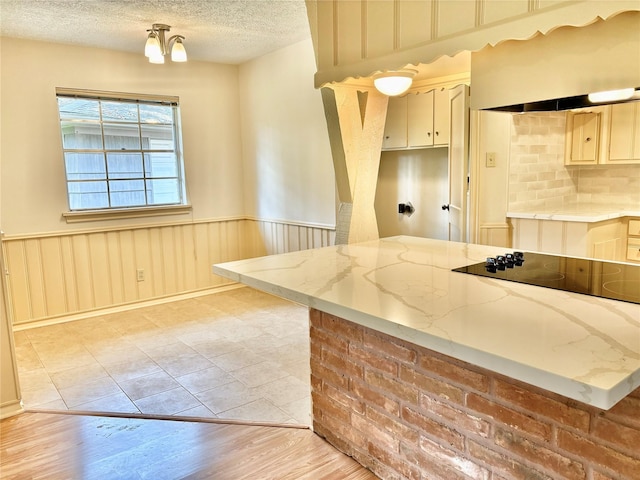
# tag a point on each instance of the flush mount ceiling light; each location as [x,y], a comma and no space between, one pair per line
[611,95]
[393,83]
[158,46]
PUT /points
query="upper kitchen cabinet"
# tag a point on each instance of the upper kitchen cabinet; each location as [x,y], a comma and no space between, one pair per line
[583,138]
[428,118]
[624,133]
[395,127]
[604,135]
[417,120]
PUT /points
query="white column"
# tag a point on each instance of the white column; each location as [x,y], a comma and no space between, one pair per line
[355,120]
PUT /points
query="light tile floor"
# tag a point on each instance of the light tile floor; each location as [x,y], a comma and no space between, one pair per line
[239,354]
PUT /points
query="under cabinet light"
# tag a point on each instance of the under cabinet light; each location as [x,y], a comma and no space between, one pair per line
[611,95]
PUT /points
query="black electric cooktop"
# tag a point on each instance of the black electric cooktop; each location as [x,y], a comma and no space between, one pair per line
[618,281]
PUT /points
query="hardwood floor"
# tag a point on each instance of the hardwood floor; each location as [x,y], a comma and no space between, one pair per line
[63,446]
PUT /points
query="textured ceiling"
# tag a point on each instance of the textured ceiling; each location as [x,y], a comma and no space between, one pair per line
[222,31]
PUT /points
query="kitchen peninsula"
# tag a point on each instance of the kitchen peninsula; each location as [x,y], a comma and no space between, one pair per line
[416,367]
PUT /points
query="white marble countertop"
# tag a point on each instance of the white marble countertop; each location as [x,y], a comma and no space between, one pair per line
[578,212]
[583,347]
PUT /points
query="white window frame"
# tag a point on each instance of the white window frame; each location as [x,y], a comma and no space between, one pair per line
[111,212]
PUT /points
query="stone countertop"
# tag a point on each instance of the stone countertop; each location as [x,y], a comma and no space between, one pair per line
[587,213]
[583,347]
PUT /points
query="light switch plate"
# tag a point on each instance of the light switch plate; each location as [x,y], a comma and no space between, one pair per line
[491,159]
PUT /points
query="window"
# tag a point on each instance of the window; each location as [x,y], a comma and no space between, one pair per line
[121,152]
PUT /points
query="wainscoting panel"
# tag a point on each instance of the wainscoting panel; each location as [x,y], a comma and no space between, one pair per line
[281,237]
[603,240]
[498,234]
[60,274]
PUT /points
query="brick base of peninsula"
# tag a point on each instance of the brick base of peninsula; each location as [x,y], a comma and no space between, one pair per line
[406,412]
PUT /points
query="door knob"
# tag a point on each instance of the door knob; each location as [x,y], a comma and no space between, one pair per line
[406,208]
[445,207]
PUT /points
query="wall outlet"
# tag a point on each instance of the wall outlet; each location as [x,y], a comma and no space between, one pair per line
[491,159]
[140,275]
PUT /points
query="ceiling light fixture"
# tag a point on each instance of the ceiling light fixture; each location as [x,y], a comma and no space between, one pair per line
[158,46]
[611,95]
[394,83]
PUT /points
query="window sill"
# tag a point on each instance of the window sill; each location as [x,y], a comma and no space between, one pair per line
[114,214]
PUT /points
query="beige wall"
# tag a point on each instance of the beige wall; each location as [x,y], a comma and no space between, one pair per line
[255,132]
[490,133]
[288,169]
[33,184]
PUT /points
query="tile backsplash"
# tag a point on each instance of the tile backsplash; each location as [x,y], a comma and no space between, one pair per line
[538,177]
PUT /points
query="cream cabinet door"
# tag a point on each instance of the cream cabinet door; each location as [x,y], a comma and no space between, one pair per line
[395,127]
[583,134]
[420,119]
[441,116]
[624,133]
[633,240]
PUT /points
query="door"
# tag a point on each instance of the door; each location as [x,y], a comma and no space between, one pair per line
[420,177]
[458,163]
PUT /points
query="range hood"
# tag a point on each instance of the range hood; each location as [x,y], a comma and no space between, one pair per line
[558,104]
[556,71]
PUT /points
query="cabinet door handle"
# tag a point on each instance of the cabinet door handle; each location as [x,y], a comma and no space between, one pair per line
[437,133]
[588,139]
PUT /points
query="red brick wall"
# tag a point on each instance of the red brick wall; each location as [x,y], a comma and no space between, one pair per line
[407,412]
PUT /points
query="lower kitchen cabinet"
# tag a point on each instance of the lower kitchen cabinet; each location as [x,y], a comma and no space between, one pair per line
[633,239]
[602,240]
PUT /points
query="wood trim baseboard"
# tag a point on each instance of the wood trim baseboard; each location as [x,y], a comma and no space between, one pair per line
[18,327]
[11,409]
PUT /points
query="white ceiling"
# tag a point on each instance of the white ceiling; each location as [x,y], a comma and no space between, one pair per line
[221,31]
